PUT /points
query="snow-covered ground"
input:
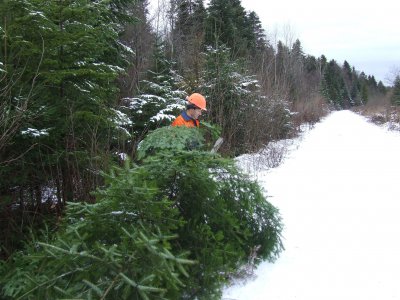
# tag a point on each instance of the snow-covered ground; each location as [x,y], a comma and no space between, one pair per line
[339,196]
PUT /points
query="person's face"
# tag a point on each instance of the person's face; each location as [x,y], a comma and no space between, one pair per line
[196,113]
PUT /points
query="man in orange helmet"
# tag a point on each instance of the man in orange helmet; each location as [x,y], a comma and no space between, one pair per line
[189,118]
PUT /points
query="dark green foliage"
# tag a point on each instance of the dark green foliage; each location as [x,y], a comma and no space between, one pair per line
[188,18]
[64,58]
[177,226]
[282,59]
[59,62]
[159,99]
[60,126]
[235,103]
[139,37]
[381,88]
[333,87]
[396,91]
[364,92]
[226,215]
[227,95]
[118,248]
[260,40]
[170,139]
[228,24]
[345,87]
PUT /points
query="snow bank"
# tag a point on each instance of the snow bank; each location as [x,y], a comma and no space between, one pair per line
[339,197]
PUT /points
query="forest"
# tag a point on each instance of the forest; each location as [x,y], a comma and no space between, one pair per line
[99,196]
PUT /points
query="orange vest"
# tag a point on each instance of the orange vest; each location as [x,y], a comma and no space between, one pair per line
[184,120]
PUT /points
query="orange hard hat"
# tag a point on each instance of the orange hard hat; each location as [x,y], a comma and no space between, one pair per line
[198,100]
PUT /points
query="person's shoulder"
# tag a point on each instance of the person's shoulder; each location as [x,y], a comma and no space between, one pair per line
[178,121]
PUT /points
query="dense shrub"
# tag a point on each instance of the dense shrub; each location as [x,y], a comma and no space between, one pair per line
[117,248]
[226,216]
[177,226]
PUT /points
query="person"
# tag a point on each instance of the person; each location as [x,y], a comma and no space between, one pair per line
[190,117]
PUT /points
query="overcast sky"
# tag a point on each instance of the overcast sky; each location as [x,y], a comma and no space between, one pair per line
[366,34]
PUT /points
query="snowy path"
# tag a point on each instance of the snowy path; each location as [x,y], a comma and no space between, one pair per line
[339,196]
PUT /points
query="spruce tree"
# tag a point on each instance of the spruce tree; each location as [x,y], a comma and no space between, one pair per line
[363,86]
[150,236]
[396,91]
[225,215]
[381,88]
[234,98]
[188,37]
[281,68]
[118,248]
[259,41]
[227,24]
[222,86]
[333,86]
[260,51]
[159,99]
[349,82]
[139,39]
[63,59]
[70,49]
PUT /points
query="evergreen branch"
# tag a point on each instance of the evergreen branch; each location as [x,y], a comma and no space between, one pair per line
[57,288]
[93,287]
[141,287]
[82,253]
[109,287]
[48,281]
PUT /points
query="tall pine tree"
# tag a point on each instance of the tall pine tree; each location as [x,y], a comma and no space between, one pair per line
[227,24]
[396,91]
[63,58]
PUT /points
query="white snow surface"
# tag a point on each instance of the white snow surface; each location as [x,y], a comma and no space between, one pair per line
[339,197]
[33,132]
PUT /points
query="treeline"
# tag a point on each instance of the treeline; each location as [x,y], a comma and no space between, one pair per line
[83,82]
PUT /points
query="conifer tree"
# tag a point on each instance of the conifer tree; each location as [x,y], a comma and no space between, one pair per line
[296,76]
[349,81]
[63,59]
[363,86]
[381,88]
[259,41]
[139,39]
[21,55]
[234,98]
[159,98]
[188,37]
[222,87]
[218,229]
[333,87]
[313,76]
[281,68]
[227,24]
[364,92]
[71,50]
[118,248]
[323,62]
[260,52]
[149,236]
[396,91]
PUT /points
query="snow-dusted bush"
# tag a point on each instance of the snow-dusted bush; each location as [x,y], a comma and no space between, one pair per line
[176,226]
[118,248]
[225,215]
